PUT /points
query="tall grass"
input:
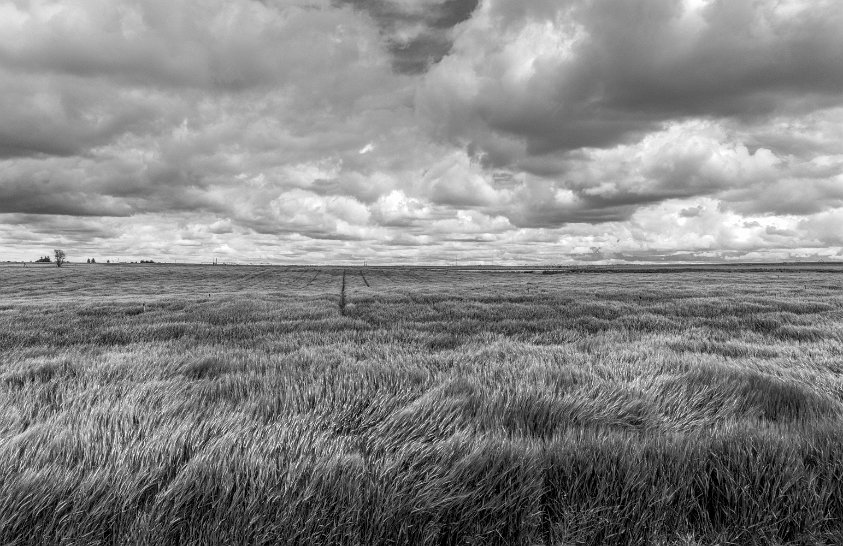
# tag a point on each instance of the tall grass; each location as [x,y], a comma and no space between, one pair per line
[438,408]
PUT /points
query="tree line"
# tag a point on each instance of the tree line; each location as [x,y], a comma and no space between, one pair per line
[61,257]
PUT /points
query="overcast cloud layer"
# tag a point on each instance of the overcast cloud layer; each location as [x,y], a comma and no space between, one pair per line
[404,131]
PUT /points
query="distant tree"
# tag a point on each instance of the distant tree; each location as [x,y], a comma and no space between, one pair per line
[88,261]
[93,260]
[43,260]
[60,256]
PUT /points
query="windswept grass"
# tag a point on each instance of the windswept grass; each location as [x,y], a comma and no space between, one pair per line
[226,405]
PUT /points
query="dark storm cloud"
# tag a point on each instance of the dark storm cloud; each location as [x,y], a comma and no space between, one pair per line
[61,202]
[55,186]
[99,185]
[153,44]
[594,74]
[36,227]
[44,115]
[417,34]
[549,215]
[745,60]
[788,196]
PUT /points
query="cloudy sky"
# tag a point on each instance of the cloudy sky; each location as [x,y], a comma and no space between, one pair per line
[422,131]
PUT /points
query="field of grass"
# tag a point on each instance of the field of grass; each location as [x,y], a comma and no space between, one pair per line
[267,405]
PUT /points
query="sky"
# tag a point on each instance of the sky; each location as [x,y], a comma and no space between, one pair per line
[422,131]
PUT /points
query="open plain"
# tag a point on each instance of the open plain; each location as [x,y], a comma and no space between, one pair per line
[160,404]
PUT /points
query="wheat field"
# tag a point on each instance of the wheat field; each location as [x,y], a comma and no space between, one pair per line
[161,404]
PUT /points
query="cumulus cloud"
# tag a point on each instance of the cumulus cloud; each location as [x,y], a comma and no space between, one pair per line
[439,130]
[395,209]
[568,75]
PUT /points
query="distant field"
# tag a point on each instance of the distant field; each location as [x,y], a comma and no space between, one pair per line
[152,404]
